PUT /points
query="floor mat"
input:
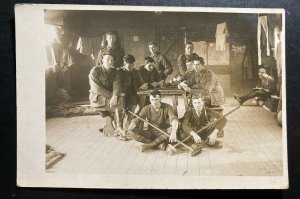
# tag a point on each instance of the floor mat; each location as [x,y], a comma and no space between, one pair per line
[52,156]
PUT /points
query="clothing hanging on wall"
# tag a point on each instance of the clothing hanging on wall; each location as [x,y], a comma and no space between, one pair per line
[89,46]
[247,64]
[50,56]
[264,22]
[221,36]
[271,31]
[279,58]
[262,36]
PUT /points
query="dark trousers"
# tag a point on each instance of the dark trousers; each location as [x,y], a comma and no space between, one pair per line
[150,136]
[261,93]
[204,134]
[161,75]
[116,113]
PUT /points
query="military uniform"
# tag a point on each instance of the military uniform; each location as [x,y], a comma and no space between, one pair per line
[162,65]
[181,62]
[117,53]
[193,121]
[208,85]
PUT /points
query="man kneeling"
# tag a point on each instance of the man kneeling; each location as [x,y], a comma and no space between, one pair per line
[198,117]
[160,115]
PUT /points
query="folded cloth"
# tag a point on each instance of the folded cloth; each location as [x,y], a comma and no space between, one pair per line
[52,156]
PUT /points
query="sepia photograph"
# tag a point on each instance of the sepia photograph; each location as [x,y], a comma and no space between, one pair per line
[151,97]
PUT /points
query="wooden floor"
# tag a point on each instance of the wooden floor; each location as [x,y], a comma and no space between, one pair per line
[252,147]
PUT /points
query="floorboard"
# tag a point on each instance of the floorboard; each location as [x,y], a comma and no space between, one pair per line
[252,147]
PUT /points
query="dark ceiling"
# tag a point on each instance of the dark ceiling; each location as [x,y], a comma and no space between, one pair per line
[88,22]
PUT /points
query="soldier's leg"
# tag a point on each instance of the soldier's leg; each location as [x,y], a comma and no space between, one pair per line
[217,143]
[158,139]
[133,108]
[140,136]
[163,145]
[119,119]
[108,128]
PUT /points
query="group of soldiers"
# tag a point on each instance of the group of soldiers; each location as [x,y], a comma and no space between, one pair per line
[114,86]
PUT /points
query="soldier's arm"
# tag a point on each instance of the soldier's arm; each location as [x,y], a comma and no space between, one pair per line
[96,85]
[181,65]
[136,122]
[167,65]
[185,123]
[209,84]
[220,124]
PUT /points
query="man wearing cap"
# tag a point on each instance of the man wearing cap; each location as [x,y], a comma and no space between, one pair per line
[188,55]
[264,90]
[162,64]
[105,90]
[131,82]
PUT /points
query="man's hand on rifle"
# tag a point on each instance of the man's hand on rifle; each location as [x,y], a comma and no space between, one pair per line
[154,84]
[196,137]
[160,84]
[184,86]
[131,126]
[113,101]
[144,86]
[212,137]
[173,137]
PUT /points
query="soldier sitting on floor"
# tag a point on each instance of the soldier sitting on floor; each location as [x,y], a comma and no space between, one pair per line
[198,117]
[263,91]
[160,115]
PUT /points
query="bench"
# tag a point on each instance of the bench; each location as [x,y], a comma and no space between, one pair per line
[218,109]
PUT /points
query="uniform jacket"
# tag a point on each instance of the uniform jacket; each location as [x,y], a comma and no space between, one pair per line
[192,122]
[162,65]
[208,84]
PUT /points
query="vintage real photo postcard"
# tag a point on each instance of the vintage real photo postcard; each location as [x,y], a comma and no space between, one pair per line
[139,97]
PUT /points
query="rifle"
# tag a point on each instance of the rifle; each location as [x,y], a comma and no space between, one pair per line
[194,152]
[173,147]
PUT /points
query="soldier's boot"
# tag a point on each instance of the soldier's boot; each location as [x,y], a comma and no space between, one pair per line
[119,119]
[108,128]
[220,134]
[163,146]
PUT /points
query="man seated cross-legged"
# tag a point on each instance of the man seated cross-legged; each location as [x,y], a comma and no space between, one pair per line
[198,117]
[160,115]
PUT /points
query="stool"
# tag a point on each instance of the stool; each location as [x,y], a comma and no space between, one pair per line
[218,109]
[274,102]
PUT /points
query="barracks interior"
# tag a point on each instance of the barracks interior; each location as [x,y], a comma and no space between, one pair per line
[163,93]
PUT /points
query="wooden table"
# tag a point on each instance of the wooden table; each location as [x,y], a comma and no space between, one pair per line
[173,92]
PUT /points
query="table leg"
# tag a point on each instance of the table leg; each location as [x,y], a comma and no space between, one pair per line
[185,100]
[175,103]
